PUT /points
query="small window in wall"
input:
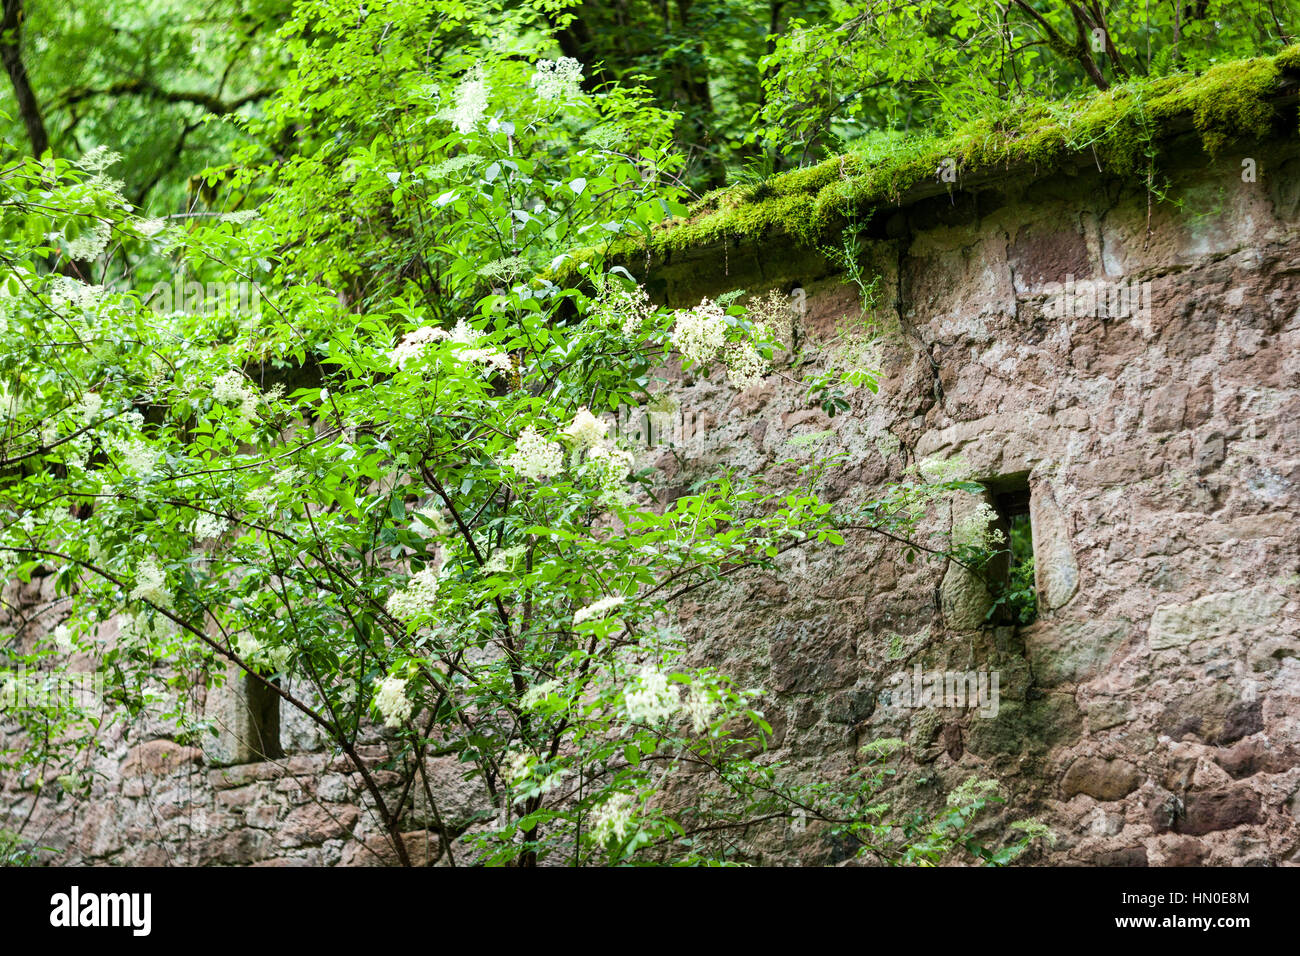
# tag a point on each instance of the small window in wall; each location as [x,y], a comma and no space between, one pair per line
[245,714]
[263,727]
[1015,594]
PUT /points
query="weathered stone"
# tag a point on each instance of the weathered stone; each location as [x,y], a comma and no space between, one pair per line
[423,848]
[1185,853]
[1066,651]
[159,757]
[1213,714]
[238,847]
[313,824]
[1208,811]
[850,707]
[1229,613]
[811,656]
[1026,727]
[1128,856]
[1100,779]
[1055,569]
[1249,757]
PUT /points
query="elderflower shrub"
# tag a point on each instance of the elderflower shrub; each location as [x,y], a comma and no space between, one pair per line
[412,344]
[629,310]
[609,466]
[538,693]
[534,456]
[430,523]
[746,366]
[557,79]
[233,389]
[91,405]
[418,600]
[406,380]
[503,560]
[700,333]
[652,699]
[151,584]
[939,470]
[470,102]
[598,609]
[585,430]
[208,527]
[614,819]
[392,701]
[700,707]
[975,528]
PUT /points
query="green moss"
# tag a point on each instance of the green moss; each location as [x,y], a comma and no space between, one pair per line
[1120,127]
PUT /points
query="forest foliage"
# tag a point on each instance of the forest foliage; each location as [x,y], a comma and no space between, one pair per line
[288,396]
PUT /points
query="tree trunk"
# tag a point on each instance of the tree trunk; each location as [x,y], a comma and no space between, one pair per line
[11,53]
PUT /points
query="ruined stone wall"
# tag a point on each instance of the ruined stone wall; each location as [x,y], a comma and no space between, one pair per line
[1150,715]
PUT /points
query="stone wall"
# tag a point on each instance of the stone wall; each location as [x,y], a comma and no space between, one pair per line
[1150,715]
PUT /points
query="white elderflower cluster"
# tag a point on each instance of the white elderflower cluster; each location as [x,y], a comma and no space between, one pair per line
[699,707]
[700,333]
[970,790]
[151,584]
[209,526]
[975,528]
[538,693]
[597,609]
[240,216]
[150,227]
[506,268]
[610,465]
[453,165]
[63,637]
[415,341]
[418,599]
[268,660]
[775,311]
[489,358]
[141,630]
[613,818]
[519,767]
[535,456]
[626,309]
[653,700]
[557,79]
[137,454]
[503,559]
[232,389]
[586,429]
[98,159]
[941,470]
[91,243]
[90,406]
[392,701]
[77,453]
[269,493]
[65,291]
[745,365]
[471,103]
